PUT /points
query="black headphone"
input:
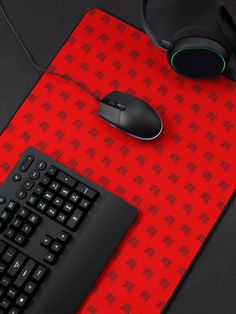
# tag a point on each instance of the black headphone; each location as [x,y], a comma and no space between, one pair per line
[200,52]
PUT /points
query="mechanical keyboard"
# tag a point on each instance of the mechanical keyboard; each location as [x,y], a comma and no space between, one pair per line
[57,232]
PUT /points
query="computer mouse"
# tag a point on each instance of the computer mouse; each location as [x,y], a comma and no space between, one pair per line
[131,114]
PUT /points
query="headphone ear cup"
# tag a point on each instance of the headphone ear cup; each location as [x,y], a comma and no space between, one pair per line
[226,11]
[199,52]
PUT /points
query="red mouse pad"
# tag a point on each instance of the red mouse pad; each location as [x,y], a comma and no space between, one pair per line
[180,182]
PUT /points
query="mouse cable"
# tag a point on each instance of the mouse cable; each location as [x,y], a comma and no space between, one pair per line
[34,64]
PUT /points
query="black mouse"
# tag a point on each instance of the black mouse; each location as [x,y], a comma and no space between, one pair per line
[131,115]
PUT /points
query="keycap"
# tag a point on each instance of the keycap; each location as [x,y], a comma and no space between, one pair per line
[23,213]
[48,196]
[74,198]
[56,247]
[20,239]
[32,200]
[12,293]
[51,212]
[84,204]
[85,190]
[40,272]
[26,229]
[14,310]
[26,163]
[68,208]
[64,192]
[21,300]
[5,303]
[61,218]
[12,206]
[9,254]
[34,175]
[30,287]
[42,206]
[39,190]
[64,237]
[50,258]
[21,194]
[46,241]
[34,219]
[9,233]
[45,180]
[52,170]
[55,186]
[5,281]
[58,201]
[25,273]
[16,223]
[2,200]
[41,165]
[2,268]
[17,177]
[17,264]
[66,179]
[28,184]
[4,215]
[75,219]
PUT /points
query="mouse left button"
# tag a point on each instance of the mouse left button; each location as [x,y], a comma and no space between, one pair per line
[110,114]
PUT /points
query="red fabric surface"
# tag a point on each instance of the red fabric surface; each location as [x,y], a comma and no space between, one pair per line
[180,182]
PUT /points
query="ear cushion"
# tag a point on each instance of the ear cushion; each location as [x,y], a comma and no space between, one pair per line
[226,11]
[204,32]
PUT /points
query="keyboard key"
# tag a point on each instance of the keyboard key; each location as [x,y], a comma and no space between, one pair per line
[75,219]
[16,223]
[74,198]
[2,200]
[23,213]
[21,300]
[66,179]
[58,202]
[30,287]
[39,190]
[28,184]
[21,194]
[48,196]
[85,190]
[5,281]
[41,165]
[12,293]
[4,215]
[17,177]
[51,212]
[34,219]
[55,186]
[42,206]
[26,163]
[84,204]
[12,206]
[52,171]
[61,218]
[40,272]
[13,310]
[64,237]
[50,258]
[25,273]
[68,208]
[34,175]
[45,180]
[9,233]
[20,240]
[64,192]
[32,200]
[9,254]
[5,303]
[26,229]
[2,268]
[56,247]
[46,241]
[16,265]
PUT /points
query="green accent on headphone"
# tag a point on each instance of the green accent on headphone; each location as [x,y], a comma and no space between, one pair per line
[201,48]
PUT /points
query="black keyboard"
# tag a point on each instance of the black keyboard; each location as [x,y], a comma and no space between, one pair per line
[57,232]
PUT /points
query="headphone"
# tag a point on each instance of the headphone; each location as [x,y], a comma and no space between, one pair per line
[200,52]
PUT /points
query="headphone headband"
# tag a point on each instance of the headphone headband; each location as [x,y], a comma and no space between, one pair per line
[159,42]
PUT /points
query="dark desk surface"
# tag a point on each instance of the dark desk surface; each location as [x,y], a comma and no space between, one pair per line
[44,26]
